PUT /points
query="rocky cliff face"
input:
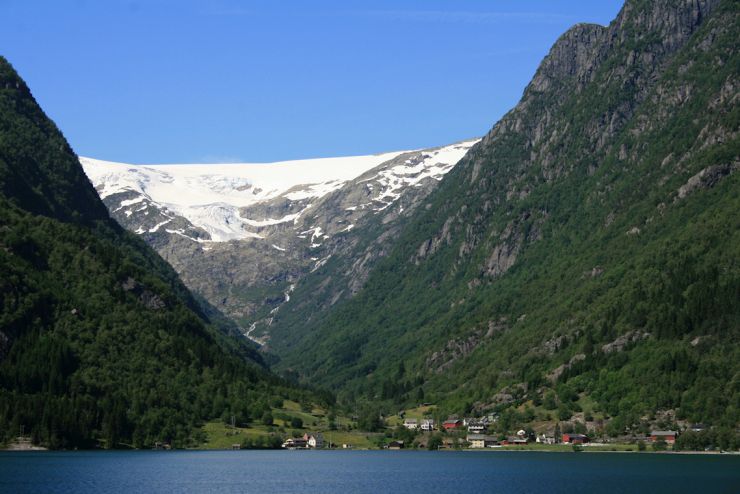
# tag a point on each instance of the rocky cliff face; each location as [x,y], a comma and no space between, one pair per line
[247,248]
[584,94]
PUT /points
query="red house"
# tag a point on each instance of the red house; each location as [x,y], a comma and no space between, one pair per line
[514,441]
[667,436]
[452,424]
[574,438]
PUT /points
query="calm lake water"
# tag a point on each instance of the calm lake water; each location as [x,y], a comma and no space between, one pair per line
[267,472]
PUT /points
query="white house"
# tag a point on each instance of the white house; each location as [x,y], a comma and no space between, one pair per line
[427,425]
[477,427]
[314,441]
[545,439]
[411,424]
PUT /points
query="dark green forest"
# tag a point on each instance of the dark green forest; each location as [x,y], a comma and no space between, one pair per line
[100,343]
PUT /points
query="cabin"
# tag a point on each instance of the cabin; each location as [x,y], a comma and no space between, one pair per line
[396,445]
[481,441]
[667,436]
[427,425]
[574,438]
[452,424]
[411,424]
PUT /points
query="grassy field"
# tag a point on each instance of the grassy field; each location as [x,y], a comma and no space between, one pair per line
[417,413]
[221,436]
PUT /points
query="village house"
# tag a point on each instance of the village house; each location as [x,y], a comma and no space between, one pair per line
[411,424]
[667,436]
[452,424]
[477,427]
[574,438]
[295,443]
[545,439]
[481,441]
[514,441]
[427,425]
[314,440]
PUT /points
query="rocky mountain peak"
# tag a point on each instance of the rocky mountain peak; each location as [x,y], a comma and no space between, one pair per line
[668,23]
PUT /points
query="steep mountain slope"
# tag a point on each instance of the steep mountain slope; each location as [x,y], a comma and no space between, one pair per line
[99,340]
[245,235]
[586,249]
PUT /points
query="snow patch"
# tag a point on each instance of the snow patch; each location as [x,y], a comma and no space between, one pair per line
[434,164]
[210,195]
[158,225]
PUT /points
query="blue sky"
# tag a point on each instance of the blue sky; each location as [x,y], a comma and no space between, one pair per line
[155,81]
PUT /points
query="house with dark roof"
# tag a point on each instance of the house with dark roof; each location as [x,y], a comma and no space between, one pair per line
[295,443]
[481,440]
[667,436]
[477,427]
[314,440]
[514,441]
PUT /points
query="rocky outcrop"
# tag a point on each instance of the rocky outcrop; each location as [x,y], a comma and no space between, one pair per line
[458,348]
[622,341]
[554,374]
[706,179]
[147,298]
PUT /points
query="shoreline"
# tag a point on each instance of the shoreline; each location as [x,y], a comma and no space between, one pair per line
[12,449]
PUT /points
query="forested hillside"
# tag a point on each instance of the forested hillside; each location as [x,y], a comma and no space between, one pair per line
[100,343]
[583,259]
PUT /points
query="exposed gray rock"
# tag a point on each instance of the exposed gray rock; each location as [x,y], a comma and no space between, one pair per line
[623,340]
[458,348]
[553,375]
[706,179]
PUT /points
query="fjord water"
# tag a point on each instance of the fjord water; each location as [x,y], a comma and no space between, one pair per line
[269,472]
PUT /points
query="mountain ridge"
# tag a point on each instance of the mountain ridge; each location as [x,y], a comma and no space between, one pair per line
[537,239]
